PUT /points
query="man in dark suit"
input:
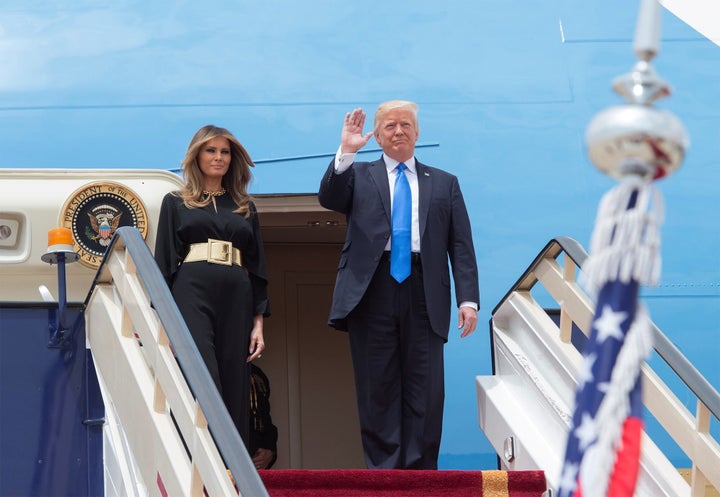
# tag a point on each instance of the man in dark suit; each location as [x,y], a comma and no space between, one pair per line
[398,322]
[263,433]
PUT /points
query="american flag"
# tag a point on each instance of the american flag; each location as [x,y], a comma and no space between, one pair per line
[602,456]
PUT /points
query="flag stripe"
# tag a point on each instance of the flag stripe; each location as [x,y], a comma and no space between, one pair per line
[627,466]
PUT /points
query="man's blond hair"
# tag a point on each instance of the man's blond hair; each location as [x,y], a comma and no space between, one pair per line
[386,107]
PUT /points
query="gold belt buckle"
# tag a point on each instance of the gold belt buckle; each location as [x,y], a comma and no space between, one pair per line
[219,252]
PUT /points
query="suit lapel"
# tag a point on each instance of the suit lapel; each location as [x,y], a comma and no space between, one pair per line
[425,185]
[378,174]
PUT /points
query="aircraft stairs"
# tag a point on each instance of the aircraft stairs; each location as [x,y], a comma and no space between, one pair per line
[160,435]
[536,360]
[160,430]
[525,408]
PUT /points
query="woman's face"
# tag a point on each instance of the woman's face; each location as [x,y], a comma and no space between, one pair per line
[214,157]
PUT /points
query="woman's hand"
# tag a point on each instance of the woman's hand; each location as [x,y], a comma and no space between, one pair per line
[257,341]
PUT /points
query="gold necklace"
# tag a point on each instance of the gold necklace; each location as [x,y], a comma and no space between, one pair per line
[214,194]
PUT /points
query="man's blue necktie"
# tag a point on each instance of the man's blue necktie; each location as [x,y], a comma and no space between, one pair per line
[401,227]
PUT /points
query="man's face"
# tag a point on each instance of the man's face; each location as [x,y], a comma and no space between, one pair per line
[397,134]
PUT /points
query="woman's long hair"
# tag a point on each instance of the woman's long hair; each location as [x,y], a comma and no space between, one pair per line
[235,181]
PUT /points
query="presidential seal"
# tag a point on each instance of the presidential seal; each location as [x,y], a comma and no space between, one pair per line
[94,212]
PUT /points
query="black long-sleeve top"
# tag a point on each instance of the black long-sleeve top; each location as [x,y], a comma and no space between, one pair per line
[180,226]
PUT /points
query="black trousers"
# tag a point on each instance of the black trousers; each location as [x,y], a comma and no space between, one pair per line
[399,373]
[216,303]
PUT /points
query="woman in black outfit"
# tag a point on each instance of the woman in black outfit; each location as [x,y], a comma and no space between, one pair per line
[210,251]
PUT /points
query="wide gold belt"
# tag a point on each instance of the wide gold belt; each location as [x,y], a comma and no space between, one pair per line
[215,252]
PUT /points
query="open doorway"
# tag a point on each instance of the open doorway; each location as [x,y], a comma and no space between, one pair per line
[308,363]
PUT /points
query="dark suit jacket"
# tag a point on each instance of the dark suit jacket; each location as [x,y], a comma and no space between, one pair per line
[363,195]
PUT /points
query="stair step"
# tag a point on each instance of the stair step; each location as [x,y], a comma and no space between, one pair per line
[710,491]
[402,483]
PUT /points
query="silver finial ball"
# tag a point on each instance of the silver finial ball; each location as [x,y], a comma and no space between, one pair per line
[636,140]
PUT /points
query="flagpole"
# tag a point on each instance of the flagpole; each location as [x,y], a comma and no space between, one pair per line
[635,144]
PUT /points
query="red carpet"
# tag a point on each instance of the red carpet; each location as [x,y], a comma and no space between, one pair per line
[397,483]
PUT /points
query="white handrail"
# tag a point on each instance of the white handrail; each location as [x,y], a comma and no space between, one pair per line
[163,423]
[519,315]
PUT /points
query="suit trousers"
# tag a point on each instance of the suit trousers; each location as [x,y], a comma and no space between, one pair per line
[399,373]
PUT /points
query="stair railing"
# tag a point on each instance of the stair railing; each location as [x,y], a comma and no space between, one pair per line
[173,417]
[691,432]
